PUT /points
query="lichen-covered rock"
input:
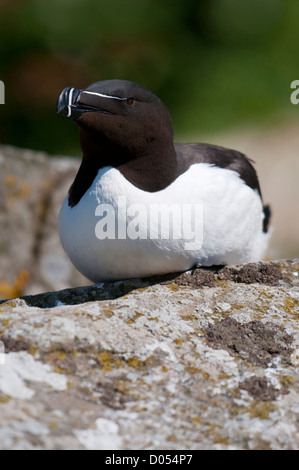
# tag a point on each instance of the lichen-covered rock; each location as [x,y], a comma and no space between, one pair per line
[32,188]
[202,360]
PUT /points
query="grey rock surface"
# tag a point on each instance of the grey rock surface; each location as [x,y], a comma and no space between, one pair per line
[202,360]
[32,189]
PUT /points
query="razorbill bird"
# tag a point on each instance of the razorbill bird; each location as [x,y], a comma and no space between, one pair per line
[141,205]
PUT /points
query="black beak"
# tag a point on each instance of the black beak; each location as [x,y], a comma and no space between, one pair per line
[67,102]
[72,103]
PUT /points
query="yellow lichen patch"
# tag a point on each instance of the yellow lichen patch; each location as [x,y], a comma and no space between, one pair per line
[192,370]
[224,376]
[108,312]
[222,283]
[58,370]
[15,189]
[221,440]
[178,341]
[16,289]
[236,410]
[4,399]
[265,294]
[32,350]
[237,306]
[134,318]
[123,385]
[135,362]
[172,438]
[291,306]
[107,360]
[197,331]
[55,357]
[42,208]
[139,409]
[10,179]
[195,370]
[286,380]
[60,354]
[53,425]
[261,410]
[196,420]
[205,375]
[235,392]
[173,287]
[189,316]
[24,190]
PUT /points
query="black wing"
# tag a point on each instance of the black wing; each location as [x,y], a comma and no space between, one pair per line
[188,154]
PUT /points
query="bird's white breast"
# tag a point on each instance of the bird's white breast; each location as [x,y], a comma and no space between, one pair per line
[214,218]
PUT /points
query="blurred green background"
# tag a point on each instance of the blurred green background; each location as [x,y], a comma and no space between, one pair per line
[217,64]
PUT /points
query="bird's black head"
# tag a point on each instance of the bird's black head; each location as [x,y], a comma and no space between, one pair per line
[117,111]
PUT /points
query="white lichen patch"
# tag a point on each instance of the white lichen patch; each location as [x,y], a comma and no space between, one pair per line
[105,436]
[20,369]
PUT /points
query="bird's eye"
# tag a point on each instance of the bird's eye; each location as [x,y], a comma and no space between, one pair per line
[129,101]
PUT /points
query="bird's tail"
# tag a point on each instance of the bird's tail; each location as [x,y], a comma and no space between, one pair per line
[267,218]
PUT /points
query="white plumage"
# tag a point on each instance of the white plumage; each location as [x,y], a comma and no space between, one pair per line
[231,226]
